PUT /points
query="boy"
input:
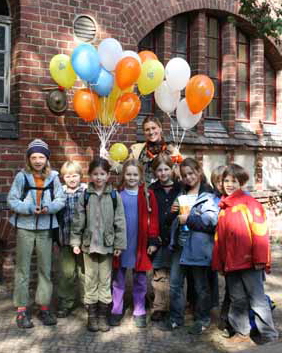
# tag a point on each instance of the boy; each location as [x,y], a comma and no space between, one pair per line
[71,266]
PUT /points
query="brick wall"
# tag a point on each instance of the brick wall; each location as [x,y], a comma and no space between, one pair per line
[42,28]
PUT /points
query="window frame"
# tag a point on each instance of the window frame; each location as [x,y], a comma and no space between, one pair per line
[248,81]
[5,22]
[274,105]
[219,66]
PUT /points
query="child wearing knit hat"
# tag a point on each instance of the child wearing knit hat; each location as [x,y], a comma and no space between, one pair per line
[35,197]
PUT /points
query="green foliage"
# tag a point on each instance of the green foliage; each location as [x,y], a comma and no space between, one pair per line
[266,16]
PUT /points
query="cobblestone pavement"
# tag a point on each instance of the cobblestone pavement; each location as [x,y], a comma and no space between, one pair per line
[71,336]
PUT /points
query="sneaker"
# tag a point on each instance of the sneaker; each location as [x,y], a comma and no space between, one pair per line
[239,341]
[47,318]
[140,320]
[158,315]
[115,319]
[168,325]
[197,328]
[24,320]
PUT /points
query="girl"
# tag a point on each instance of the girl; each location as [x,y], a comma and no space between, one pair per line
[98,230]
[192,241]
[166,188]
[242,253]
[142,228]
[36,196]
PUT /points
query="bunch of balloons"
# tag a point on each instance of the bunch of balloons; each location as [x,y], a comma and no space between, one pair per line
[110,75]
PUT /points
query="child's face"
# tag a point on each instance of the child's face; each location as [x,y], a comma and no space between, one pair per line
[218,185]
[230,185]
[164,173]
[37,161]
[99,177]
[72,179]
[131,177]
[190,177]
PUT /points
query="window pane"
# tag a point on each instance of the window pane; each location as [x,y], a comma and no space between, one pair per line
[269,113]
[242,38]
[213,67]
[213,109]
[213,48]
[269,94]
[213,27]
[216,87]
[1,91]
[2,38]
[2,66]
[242,110]
[243,53]
[181,42]
[181,23]
[146,103]
[242,72]
[242,92]
[147,42]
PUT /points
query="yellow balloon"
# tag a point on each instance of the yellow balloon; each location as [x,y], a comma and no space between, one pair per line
[118,152]
[152,75]
[62,71]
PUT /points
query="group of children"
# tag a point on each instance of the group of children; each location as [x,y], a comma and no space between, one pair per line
[104,232]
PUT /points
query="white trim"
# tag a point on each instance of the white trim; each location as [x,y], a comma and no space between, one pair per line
[7,54]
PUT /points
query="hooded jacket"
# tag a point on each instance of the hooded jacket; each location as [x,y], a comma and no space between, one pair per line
[241,239]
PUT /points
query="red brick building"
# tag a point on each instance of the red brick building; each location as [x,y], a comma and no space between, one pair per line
[242,124]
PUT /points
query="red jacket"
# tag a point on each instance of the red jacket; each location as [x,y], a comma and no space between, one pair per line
[148,230]
[241,238]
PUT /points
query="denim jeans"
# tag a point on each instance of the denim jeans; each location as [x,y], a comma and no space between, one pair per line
[246,291]
[177,302]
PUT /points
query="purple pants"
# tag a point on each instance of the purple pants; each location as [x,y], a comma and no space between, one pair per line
[139,291]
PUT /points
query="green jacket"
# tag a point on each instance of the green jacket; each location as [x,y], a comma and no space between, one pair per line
[111,232]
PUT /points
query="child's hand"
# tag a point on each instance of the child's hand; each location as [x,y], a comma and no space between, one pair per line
[151,249]
[174,207]
[44,210]
[37,210]
[182,218]
[117,252]
[76,250]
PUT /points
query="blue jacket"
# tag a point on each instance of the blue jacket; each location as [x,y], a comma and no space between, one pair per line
[202,220]
[24,209]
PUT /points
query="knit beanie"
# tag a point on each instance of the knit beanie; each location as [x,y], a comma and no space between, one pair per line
[38,146]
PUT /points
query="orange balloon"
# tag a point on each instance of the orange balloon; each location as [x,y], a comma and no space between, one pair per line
[128,70]
[147,55]
[127,108]
[86,104]
[199,93]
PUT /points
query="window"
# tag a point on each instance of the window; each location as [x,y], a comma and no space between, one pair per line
[269,93]
[4,65]
[214,65]
[243,77]
[181,38]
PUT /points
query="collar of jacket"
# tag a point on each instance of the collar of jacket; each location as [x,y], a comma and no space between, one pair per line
[227,201]
[47,180]
[107,190]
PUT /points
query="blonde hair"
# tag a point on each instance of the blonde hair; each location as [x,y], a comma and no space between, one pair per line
[45,171]
[71,166]
[131,163]
[216,175]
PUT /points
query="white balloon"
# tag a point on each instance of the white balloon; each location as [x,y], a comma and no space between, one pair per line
[132,54]
[110,52]
[185,118]
[177,73]
[165,98]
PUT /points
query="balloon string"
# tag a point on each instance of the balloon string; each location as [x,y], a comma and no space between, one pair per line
[181,140]
[171,128]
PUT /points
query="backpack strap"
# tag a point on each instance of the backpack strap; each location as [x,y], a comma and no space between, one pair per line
[114,199]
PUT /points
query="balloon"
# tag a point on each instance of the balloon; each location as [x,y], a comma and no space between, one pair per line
[132,54]
[165,98]
[199,93]
[62,71]
[110,52]
[177,73]
[86,104]
[86,62]
[147,55]
[127,72]
[127,108]
[104,83]
[152,75]
[118,152]
[185,118]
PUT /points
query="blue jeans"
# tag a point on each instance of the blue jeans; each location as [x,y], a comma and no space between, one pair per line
[246,291]
[177,302]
